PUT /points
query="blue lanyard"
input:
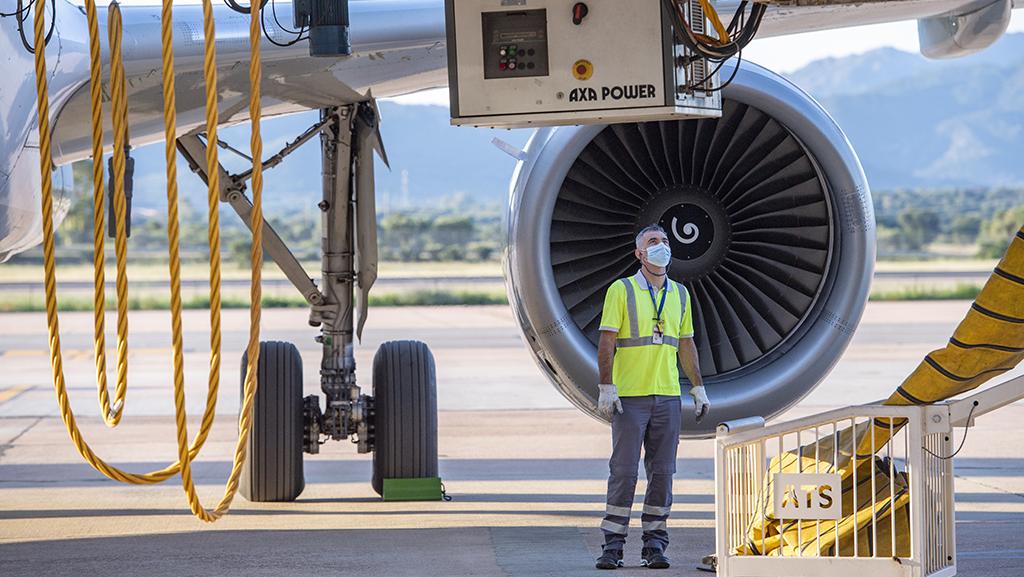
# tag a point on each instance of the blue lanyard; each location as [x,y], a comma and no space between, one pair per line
[658,307]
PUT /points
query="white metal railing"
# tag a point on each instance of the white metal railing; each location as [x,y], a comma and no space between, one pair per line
[894,519]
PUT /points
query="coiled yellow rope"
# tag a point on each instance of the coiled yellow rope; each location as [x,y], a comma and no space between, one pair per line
[112,415]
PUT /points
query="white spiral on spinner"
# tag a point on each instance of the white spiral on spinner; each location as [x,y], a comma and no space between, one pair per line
[690,232]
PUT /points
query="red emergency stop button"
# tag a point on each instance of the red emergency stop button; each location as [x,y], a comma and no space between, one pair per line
[582,70]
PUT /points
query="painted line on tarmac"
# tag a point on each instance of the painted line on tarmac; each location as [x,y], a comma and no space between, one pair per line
[13,392]
[23,353]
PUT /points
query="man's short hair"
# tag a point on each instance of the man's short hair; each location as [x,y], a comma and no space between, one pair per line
[649,228]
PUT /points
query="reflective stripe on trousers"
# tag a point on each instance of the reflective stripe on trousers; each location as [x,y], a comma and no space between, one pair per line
[652,423]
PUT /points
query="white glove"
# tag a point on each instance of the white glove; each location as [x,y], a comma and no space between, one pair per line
[608,401]
[701,404]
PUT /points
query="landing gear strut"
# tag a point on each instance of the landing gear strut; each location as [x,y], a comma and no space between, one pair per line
[400,425]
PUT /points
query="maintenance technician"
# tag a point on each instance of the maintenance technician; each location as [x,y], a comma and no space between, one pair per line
[646,325]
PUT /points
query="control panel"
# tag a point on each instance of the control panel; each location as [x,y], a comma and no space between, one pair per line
[516,63]
[515,44]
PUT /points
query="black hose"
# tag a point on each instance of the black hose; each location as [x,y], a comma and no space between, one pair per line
[234,5]
[21,15]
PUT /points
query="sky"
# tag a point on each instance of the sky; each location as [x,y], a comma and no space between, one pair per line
[788,53]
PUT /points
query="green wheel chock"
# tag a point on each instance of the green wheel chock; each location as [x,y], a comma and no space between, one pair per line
[413,489]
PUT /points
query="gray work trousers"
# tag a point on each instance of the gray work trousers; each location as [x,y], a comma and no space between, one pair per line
[652,422]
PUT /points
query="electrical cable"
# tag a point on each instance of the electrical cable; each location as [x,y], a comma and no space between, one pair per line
[266,33]
[732,76]
[962,440]
[234,5]
[716,51]
[21,10]
[710,48]
[273,11]
[736,16]
[21,15]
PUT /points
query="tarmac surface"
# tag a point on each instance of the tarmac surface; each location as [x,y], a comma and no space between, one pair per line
[526,471]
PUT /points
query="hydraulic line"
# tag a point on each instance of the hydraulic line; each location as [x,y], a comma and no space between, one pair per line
[119,109]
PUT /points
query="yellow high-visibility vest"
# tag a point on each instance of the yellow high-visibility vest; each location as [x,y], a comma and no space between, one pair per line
[642,367]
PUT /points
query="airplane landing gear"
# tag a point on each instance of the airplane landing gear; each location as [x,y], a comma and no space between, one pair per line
[399,423]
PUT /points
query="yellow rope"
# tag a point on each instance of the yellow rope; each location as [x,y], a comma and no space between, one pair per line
[213,223]
[119,113]
[99,211]
[245,420]
[712,15]
[208,414]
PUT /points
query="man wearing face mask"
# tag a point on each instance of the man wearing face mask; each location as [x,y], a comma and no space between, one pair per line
[646,326]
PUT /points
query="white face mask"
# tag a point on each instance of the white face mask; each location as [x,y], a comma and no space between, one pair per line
[659,254]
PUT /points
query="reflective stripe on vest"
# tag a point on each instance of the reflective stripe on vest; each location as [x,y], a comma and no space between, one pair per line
[634,322]
[682,300]
[634,319]
[644,341]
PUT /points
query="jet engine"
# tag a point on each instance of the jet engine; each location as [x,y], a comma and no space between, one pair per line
[771,225]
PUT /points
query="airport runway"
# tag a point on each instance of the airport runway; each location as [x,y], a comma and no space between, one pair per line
[526,471]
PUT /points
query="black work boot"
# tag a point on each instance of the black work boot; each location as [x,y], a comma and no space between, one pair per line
[609,559]
[653,558]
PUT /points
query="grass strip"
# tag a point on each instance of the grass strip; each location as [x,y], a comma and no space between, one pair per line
[919,293]
[411,298]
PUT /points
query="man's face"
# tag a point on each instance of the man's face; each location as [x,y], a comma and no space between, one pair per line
[650,238]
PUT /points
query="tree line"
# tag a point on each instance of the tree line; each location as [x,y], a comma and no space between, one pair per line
[423,234]
[982,220]
[911,223]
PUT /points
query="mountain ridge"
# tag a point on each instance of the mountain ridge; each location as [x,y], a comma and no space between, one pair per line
[915,123]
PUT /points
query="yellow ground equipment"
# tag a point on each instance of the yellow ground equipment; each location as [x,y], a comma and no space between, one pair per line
[872,490]
[113,412]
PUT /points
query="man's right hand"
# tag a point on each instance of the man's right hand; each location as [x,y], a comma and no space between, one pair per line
[608,401]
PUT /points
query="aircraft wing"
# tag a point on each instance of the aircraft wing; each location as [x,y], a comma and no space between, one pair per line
[399,47]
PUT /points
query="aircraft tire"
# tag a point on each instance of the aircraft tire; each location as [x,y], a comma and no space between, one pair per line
[273,469]
[405,408]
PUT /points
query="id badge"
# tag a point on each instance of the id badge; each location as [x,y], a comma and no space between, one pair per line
[658,338]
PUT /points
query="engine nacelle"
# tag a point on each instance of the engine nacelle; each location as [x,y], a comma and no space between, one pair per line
[772,231]
[958,35]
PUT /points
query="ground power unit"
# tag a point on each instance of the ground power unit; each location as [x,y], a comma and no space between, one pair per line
[518,63]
